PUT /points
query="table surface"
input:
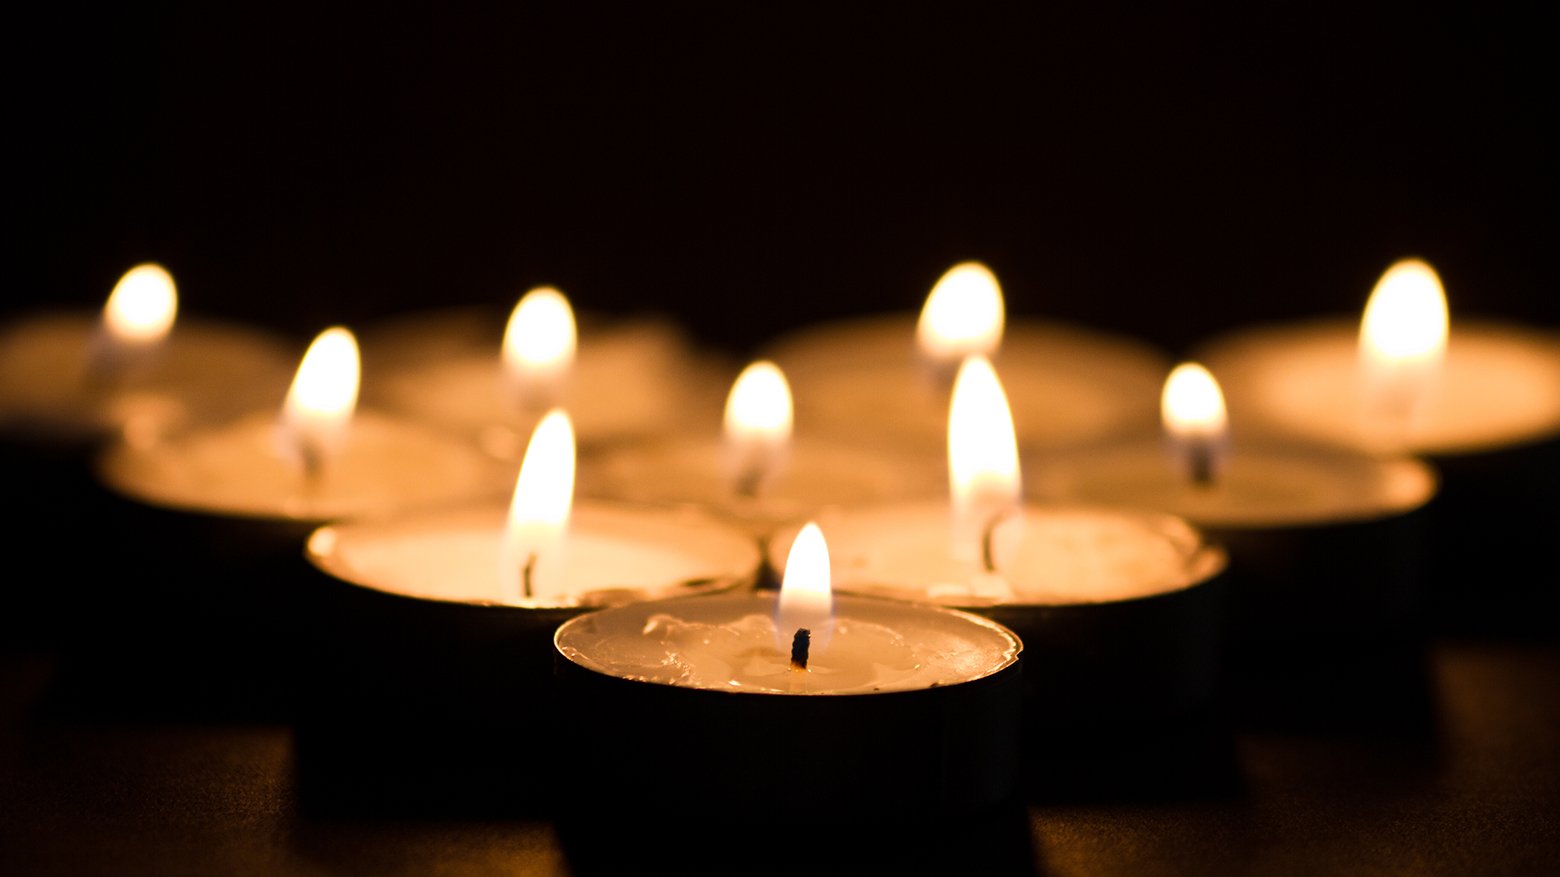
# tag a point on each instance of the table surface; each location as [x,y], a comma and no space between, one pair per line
[1467,784]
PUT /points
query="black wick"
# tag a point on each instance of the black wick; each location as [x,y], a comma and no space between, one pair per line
[800,645]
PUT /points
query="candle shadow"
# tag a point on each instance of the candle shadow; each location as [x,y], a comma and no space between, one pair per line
[1191,756]
[1385,690]
[997,841]
[420,773]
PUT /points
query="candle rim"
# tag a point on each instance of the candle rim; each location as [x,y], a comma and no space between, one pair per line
[320,551]
[768,601]
[1203,562]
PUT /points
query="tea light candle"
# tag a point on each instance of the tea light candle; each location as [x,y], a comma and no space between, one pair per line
[71,381]
[758,476]
[1481,399]
[883,380]
[438,635]
[320,461]
[242,497]
[75,378]
[1115,606]
[1309,529]
[620,381]
[800,706]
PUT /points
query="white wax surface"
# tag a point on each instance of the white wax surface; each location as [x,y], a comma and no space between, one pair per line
[816,474]
[205,371]
[863,380]
[237,469]
[1500,386]
[1066,555]
[729,643]
[614,553]
[1257,487]
[629,380]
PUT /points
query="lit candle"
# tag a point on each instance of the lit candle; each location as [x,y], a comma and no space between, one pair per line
[71,380]
[619,381]
[320,460]
[76,378]
[212,521]
[1325,544]
[1114,605]
[883,380]
[758,474]
[437,648]
[803,706]
[1480,398]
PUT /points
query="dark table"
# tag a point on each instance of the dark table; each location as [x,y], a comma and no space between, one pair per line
[1465,782]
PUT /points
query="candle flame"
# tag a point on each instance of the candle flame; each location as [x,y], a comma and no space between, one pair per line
[317,416]
[983,470]
[806,595]
[757,426]
[1402,342]
[1192,409]
[963,315]
[531,562]
[539,347]
[141,309]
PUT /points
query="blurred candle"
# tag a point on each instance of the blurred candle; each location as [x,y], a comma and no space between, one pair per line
[620,380]
[884,380]
[1325,544]
[71,380]
[75,378]
[1478,397]
[240,498]
[758,474]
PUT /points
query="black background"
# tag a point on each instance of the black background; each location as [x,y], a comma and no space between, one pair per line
[754,167]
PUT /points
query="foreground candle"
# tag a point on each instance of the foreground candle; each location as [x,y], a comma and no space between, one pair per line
[883,380]
[490,381]
[1115,606]
[439,629]
[803,707]
[1481,399]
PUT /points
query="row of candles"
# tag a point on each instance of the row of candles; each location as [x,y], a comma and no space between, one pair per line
[1101,578]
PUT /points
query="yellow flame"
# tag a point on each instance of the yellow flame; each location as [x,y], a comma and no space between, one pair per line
[1402,342]
[1192,405]
[317,415]
[532,562]
[141,309]
[757,426]
[806,595]
[963,315]
[1405,318]
[1192,410]
[983,470]
[539,346]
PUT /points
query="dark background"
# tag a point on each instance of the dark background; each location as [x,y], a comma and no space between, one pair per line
[753,167]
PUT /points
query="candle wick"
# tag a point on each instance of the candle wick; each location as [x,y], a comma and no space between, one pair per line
[988,555]
[800,645]
[1200,458]
[313,465]
[525,575]
[766,578]
[747,481]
